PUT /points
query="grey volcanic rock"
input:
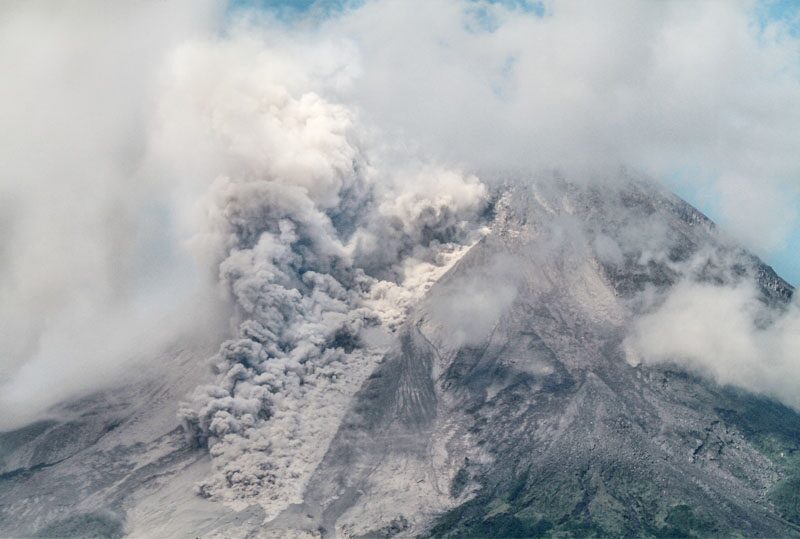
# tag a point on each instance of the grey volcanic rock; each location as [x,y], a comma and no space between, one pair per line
[119,464]
[534,421]
[507,405]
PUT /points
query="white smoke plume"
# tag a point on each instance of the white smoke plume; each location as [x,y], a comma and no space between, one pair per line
[305,227]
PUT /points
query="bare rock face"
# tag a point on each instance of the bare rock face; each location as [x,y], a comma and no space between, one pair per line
[508,404]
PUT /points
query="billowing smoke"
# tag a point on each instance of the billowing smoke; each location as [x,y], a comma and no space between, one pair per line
[310,234]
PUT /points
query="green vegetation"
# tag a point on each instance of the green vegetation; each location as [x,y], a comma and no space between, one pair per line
[775,430]
[498,525]
[84,525]
[506,514]
[683,522]
[786,497]
[612,499]
[459,483]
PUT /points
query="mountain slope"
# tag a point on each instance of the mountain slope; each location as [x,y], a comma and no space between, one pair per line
[117,463]
[535,421]
[508,404]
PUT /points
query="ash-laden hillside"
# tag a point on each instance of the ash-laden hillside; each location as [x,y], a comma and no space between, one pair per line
[510,407]
[509,404]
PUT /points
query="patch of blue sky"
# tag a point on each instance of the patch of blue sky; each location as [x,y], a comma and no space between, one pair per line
[503,83]
[291,10]
[482,19]
[785,12]
[691,186]
[535,7]
[694,185]
[787,261]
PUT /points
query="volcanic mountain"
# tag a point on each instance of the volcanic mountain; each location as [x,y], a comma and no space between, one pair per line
[510,401]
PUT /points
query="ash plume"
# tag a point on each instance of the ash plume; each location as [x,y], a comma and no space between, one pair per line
[322,177]
[308,233]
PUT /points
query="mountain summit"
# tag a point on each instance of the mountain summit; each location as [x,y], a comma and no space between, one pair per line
[519,395]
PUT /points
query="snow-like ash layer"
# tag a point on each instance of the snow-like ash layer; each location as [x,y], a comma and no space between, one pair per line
[316,246]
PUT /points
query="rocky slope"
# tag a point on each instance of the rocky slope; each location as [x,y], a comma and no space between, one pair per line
[508,404]
[521,414]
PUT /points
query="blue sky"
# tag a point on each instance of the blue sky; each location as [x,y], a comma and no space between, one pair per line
[785,260]
[695,189]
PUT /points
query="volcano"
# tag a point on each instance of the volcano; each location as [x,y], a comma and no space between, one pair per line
[508,402]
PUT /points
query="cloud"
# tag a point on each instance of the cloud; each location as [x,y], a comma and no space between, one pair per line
[727,334]
[761,218]
[657,86]
[313,237]
[469,308]
[88,261]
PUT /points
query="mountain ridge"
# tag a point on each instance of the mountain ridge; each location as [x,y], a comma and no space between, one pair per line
[507,404]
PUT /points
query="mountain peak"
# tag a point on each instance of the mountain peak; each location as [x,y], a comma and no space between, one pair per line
[510,399]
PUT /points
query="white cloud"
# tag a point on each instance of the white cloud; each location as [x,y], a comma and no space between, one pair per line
[469,308]
[301,211]
[725,333]
[761,217]
[658,86]
[88,262]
